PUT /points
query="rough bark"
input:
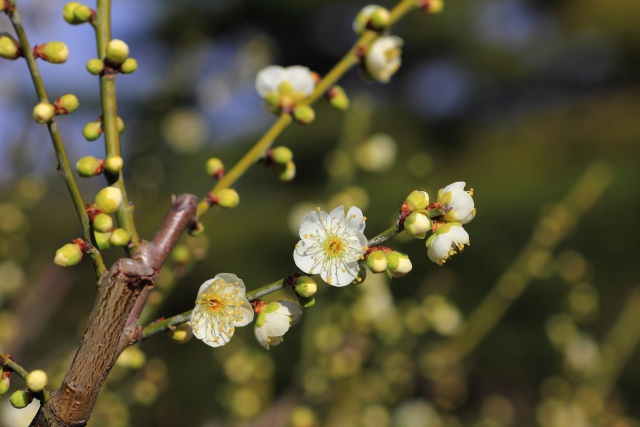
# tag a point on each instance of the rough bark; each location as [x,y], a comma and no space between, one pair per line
[118,290]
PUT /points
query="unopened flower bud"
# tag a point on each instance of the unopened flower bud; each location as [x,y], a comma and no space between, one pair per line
[95,66]
[53,52]
[109,199]
[433,6]
[272,99]
[120,124]
[338,98]
[89,166]
[215,167]
[228,198]
[120,237]
[377,262]
[282,155]
[66,104]
[196,230]
[304,114]
[68,15]
[102,240]
[306,302]
[82,13]
[102,223]
[398,264]
[418,200]
[306,287]
[5,383]
[92,131]
[37,380]
[372,17]
[181,254]
[113,164]
[21,399]
[285,172]
[129,66]
[68,255]
[117,51]
[9,47]
[417,225]
[43,112]
[181,334]
[44,396]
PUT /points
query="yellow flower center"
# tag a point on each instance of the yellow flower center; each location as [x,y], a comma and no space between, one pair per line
[212,301]
[334,246]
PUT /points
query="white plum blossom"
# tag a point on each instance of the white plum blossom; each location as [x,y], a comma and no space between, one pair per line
[291,80]
[331,245]
[220,307]
[383,58]
[460,203]
[274,320]
[448,239]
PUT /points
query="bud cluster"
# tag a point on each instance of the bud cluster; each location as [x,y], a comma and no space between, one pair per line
[116,60]
[384,260]
[280,159]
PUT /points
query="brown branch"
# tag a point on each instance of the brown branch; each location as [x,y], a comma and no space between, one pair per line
[72,404]
[154,254]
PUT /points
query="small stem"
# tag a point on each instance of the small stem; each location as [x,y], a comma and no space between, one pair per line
[13,366]
[58,145]
[102,25]
[285,120]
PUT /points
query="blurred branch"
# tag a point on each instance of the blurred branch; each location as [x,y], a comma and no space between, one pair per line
[102,25]
[58,145]
[285,120]
[557,224]
[6,361]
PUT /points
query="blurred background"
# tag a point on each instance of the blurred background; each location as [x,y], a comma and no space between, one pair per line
[534,103]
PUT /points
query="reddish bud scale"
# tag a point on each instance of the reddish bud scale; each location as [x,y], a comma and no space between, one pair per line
[384,249]
[6,7]
[258,305]
[404,212]
[93,211]
[211,199]
[316,77]
[219,174]
[292,279]
[84,246]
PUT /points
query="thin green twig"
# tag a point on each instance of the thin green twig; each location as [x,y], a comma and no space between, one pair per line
[58,145]
[13,366]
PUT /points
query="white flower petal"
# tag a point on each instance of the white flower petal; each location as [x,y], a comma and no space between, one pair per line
[205,285]
[301,79]
[439,248]
[378,62]
[459,235]
[355,219]
[310,223]
[454,186]
[247,314]
[289,309]
[277,324]
[261,335]
[269,79]
[304,253]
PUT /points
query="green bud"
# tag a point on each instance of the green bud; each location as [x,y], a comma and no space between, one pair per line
[399,264]
[37,380]
[21,399]
[102,223]
[5,383]
[53,52]
[82,13]
[95,66]
[43,112]
[418,200]
[120,237]
[89,166]
[117,51]
[377,262]
[120,124]
[92,131]
[68,255]
[129,66]
[282,155]
[362,275]
[285,172]
[9,47]
[103,240]
[272,99]
[304,114]
[338,98]
[197,229]
[109,199]
[228,198]
[44,396]
[306,302]
[306,287]
[215,167]
[68,15]
[66,104]
[417,225]
[434,6]
[181,254]
[181,334]
[113,164]
[372,17]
